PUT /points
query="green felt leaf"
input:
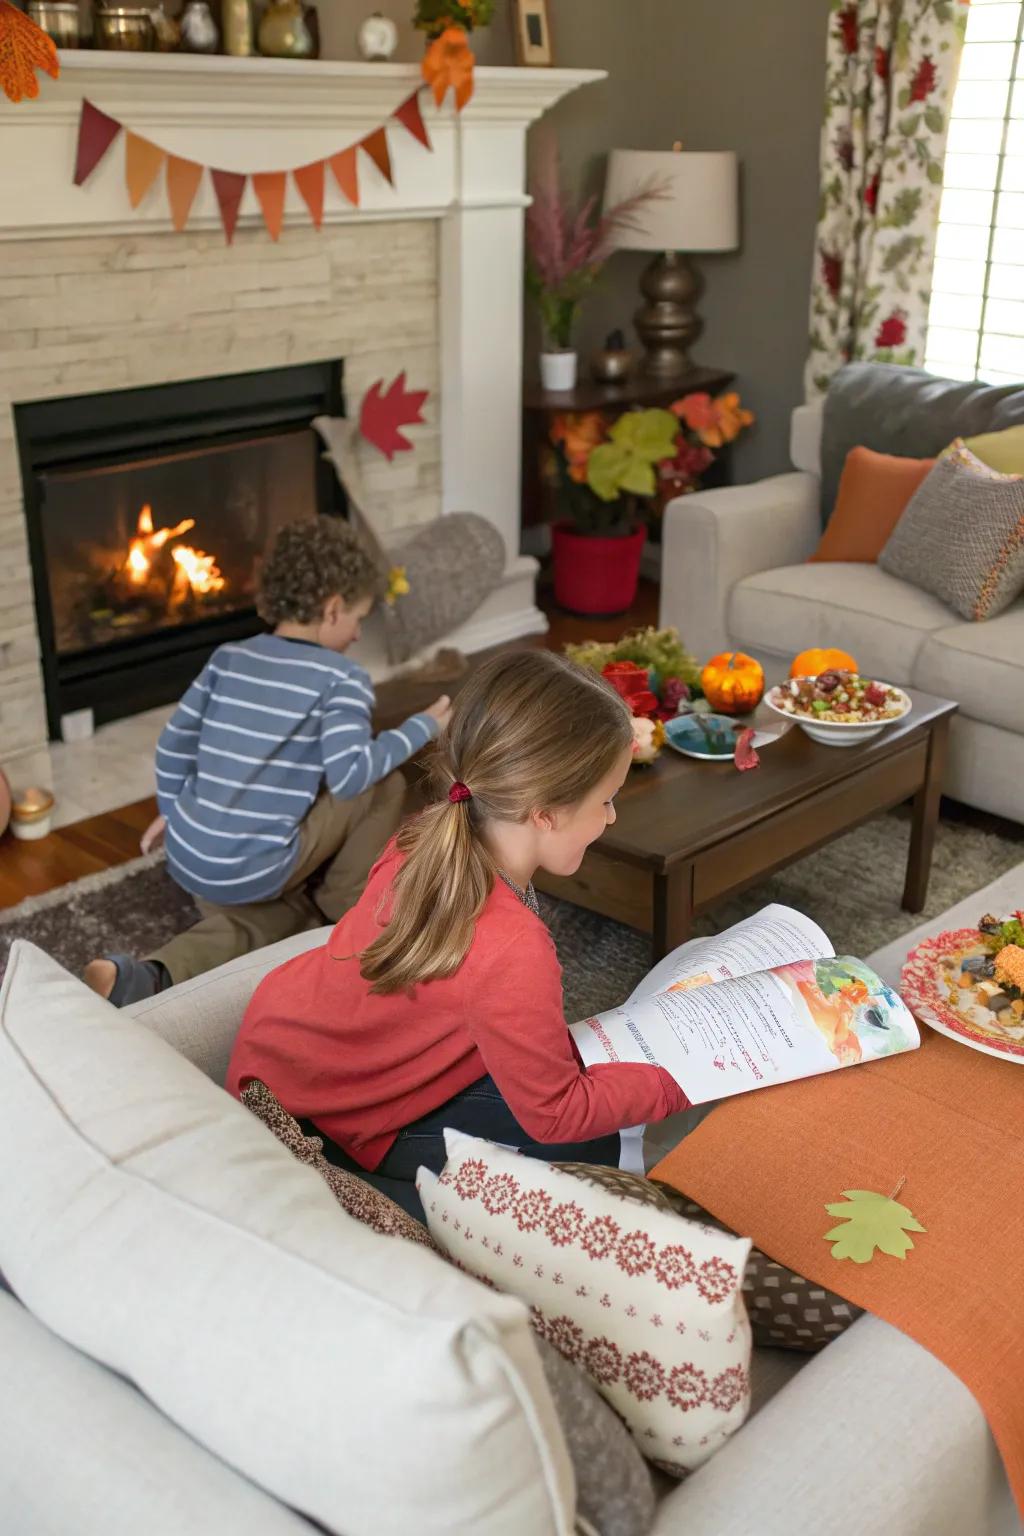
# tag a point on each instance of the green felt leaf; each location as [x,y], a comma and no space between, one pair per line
[870,1221]
[607,465]
[650,434]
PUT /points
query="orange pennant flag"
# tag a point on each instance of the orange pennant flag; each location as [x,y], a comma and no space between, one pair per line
[269,187]
[310,181]
[183,178]
[376,146]
[346,174]
[143,162]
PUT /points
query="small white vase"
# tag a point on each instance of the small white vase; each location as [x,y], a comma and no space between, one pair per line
[558,371]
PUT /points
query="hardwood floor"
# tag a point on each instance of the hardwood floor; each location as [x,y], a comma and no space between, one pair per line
[101,842]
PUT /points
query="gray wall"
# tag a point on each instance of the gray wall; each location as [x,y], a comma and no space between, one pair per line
[717,74]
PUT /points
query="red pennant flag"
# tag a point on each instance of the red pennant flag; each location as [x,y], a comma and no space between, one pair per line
[270,187]
[143,163]
[183,178]
[96,133]
[410,116]
[376,146]
[310,181]
[229,187]
[346,174]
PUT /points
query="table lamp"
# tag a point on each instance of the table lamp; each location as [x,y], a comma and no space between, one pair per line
[699,211]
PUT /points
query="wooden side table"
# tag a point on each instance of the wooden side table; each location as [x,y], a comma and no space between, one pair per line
[541,405]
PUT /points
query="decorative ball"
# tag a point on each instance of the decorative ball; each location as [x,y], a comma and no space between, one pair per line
[821,659]
[733,682]
[377,37]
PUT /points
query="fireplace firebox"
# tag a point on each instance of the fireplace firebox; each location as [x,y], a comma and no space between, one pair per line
[149,514]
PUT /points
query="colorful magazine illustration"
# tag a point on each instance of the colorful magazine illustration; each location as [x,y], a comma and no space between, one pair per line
[767,1001]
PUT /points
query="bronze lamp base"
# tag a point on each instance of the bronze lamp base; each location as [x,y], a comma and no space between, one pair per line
[667,324]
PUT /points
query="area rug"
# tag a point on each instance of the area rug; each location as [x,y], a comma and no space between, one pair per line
[851,888]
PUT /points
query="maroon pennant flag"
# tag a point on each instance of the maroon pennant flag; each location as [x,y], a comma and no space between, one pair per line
[410,116]
[96,133]
[229,187]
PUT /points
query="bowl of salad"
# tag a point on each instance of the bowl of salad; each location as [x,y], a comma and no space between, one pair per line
[839,708]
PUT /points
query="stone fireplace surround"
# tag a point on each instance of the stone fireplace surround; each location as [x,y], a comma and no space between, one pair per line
[426,276]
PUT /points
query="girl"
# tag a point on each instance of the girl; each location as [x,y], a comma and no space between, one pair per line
[437,1000]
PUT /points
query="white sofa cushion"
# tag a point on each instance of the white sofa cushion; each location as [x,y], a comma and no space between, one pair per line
[158,1227]
[805,430]
[979,665]
[881,620]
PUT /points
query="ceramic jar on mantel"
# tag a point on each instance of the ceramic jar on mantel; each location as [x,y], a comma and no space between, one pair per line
[284,32]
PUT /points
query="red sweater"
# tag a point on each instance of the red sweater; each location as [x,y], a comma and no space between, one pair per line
[363,1066]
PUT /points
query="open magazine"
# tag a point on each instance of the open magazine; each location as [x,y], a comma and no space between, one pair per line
[767,1001]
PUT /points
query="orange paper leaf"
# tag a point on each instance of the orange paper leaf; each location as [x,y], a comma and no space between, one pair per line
[376,146]
[24,48]
[310,181]
[183,178]
[143,162]
[346,174]
[269,187]
[448,65]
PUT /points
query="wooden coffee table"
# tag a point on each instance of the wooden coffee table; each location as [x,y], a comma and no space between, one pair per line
[688,833]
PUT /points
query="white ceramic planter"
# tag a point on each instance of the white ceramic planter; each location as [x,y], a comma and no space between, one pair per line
[558,371]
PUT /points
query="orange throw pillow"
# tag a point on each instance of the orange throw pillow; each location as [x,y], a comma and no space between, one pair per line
[873,492]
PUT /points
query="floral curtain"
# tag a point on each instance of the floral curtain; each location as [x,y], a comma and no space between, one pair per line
[890,75]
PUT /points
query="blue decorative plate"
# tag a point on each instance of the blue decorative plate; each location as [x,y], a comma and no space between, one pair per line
[709,737]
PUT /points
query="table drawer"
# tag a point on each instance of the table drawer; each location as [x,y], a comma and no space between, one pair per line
[791,833]
[621,891]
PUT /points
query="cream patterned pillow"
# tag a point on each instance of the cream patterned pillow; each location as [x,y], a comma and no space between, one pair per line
[961,536]
[650,1305]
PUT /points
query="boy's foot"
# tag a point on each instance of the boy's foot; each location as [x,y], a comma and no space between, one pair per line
[122,979]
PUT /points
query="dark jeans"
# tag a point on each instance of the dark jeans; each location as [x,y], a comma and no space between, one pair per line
[478,1110]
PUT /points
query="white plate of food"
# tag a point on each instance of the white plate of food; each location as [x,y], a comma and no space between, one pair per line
[839,709]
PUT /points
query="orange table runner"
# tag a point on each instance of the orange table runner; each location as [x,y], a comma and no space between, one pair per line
[947,1121]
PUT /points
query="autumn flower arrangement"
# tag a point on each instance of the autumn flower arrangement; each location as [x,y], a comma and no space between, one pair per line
[606,467]
[653,672]
[435,16]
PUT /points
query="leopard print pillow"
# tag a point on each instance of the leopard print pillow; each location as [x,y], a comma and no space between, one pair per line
[353,1194]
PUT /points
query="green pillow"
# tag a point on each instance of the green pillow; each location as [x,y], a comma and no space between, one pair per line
[1003,451]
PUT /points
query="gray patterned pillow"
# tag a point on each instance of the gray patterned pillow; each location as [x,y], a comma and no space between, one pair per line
[614,1487]
[961,536]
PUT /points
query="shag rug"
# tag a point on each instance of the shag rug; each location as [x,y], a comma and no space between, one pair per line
[851,888]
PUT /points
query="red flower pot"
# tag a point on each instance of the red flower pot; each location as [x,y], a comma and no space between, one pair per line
[594,575]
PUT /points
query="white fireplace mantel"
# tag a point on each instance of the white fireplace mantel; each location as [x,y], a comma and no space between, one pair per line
[249,115]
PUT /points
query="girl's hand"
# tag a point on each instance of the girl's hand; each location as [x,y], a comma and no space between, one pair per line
[441,709]
[153,835]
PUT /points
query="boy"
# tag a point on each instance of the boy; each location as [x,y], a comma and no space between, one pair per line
[269,778]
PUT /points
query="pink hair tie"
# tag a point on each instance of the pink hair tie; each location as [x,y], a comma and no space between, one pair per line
[458,793]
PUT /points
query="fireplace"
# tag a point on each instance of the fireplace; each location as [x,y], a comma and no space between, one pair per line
[149,514]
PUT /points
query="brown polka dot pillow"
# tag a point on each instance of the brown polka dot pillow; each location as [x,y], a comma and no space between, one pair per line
[352,1193]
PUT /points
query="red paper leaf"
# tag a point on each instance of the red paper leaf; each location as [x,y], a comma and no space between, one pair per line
[746,757]
[382,415]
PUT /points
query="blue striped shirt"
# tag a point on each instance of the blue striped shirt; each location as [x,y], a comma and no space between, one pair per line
[265,726]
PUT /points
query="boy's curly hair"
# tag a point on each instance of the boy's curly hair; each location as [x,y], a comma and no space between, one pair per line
[311,562]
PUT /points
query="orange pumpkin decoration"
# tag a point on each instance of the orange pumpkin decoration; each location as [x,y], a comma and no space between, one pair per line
[732,682]
[820,659]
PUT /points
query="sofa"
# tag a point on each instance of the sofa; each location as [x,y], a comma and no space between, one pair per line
[178,1283]
[735,572]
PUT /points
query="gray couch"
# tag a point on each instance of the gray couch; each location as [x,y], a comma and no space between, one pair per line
[874,1437]
[734,573]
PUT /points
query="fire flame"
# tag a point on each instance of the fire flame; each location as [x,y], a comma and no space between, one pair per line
[194,570]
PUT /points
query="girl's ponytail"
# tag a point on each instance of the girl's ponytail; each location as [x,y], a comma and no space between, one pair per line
[529,731]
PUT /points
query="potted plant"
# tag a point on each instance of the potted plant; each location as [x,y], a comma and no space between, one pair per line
[612,475]
[567,244]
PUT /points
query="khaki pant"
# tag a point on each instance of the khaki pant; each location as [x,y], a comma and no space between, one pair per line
[339,842]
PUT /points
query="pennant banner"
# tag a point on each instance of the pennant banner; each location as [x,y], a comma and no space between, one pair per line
[447,69]
[96,133]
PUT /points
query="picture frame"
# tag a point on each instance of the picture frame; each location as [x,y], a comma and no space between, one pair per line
[533,32]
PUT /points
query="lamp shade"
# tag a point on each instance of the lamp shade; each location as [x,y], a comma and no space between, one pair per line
[700,209]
